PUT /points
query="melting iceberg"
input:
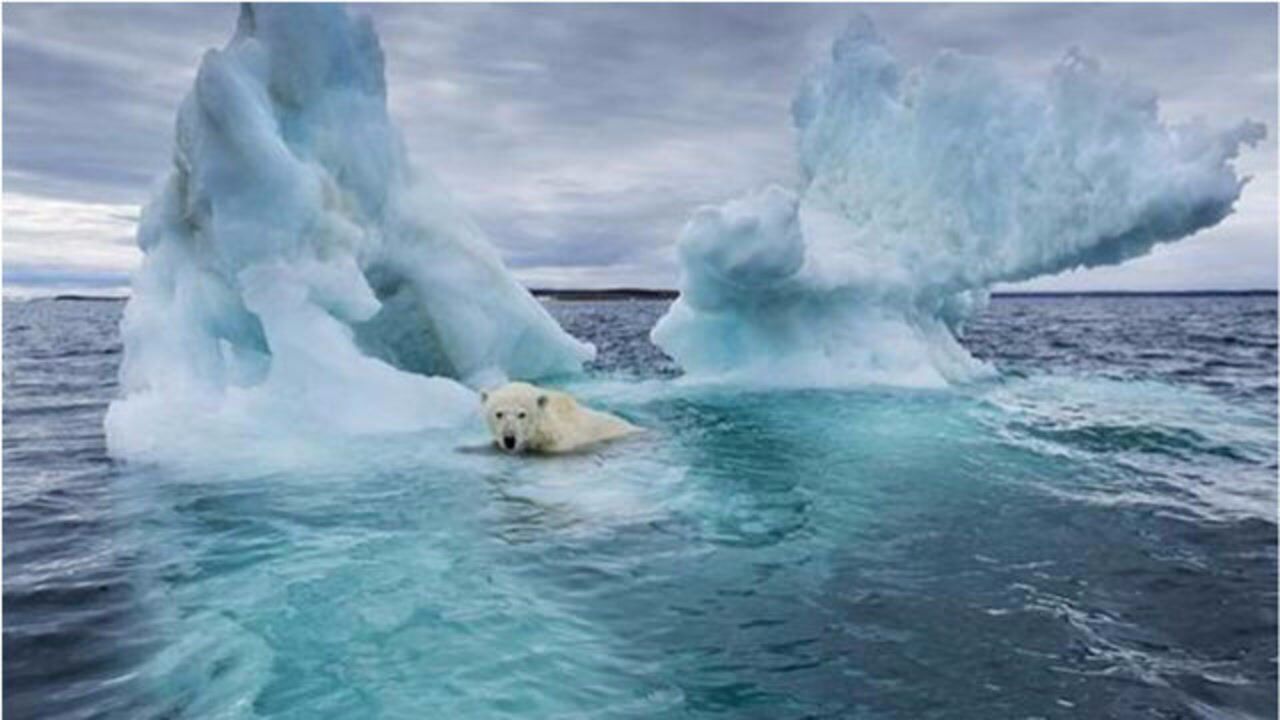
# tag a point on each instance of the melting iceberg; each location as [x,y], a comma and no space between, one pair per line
[295,266]
[920,191]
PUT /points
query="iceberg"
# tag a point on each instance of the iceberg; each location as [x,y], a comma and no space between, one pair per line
[295,267]
[919,191]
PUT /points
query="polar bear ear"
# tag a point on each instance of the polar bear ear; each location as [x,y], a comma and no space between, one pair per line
[484,396]
[542,401]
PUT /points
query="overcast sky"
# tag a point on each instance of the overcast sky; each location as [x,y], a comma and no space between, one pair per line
[581,137]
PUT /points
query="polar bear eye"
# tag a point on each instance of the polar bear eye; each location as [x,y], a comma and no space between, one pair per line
[498,414]
[522,414]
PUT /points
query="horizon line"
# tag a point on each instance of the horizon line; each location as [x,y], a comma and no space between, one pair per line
[626,292]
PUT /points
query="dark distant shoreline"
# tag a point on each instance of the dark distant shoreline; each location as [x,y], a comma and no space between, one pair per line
[1132,293]
[663,294]
[89,298]
[580,295]
[606,294]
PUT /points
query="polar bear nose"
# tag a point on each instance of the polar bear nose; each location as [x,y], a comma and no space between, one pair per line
[509,442]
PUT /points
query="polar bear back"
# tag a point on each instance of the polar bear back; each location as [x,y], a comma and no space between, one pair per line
[569,425]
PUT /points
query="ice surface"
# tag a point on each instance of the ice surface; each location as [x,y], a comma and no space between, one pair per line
[297,270]
[920,191]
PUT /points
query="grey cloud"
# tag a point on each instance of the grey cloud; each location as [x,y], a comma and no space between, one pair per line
[91,93]
[581,137]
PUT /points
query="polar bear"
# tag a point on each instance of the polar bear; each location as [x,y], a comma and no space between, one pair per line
[527,418]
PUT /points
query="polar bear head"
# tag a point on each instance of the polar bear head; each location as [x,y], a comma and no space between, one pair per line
[514,413]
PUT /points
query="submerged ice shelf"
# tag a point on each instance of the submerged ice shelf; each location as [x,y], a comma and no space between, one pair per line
[921,189]
[297,270]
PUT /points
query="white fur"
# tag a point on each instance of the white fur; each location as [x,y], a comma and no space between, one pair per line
[534,419]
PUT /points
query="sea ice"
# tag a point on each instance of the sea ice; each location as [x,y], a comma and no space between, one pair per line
[922,189]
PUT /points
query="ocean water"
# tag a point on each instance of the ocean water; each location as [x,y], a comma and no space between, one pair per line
[1093,535]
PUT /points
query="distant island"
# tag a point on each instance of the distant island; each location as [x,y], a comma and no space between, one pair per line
[91,298]
[606,294]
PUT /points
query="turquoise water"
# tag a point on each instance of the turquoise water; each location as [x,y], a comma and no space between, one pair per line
[1094,535]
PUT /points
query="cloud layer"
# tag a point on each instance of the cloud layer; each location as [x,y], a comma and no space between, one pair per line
[582,137]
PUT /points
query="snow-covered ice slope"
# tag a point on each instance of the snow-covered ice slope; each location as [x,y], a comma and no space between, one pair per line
[920,190]
[296,267]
